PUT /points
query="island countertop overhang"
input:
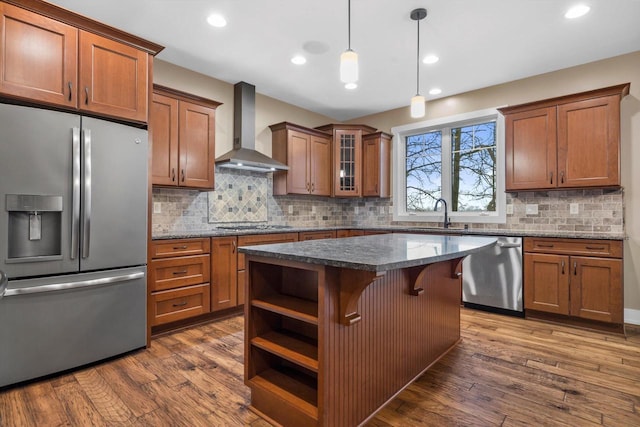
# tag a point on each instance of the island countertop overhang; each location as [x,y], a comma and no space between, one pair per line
[378,253]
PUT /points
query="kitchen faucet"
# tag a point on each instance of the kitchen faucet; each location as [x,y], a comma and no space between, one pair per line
[447,223]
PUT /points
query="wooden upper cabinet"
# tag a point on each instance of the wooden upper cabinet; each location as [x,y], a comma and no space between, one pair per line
[163,122]
[113,78]
[376,164]
[45,58]
[196,126]
[320,165]
[38,57]
[589,143]
[567,142]
[307,152]
[531,147]
[347,157]
[183,139]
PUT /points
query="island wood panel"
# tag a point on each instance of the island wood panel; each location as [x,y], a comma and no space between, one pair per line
[364,365]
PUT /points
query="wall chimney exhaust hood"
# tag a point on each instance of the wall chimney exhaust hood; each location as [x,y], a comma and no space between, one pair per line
[244,155]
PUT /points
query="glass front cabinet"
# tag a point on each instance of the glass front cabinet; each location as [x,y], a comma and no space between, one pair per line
[347,158]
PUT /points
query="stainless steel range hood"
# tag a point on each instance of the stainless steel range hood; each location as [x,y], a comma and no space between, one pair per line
[244,155]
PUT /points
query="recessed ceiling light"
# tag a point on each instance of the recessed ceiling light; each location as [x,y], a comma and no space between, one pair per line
[430,59]
[435,91]
[217,20]
[577,11]
[299,60]
[351,86]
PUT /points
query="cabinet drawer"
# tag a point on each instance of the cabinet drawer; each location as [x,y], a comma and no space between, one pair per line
[178,304]
[172,273]
[263,239]
[316,235]
[601,248]
[180,247]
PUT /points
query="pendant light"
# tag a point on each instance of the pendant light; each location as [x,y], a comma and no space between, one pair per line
[349,59]
[418,102]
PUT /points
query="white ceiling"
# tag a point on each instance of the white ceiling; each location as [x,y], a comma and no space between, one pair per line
[480,43]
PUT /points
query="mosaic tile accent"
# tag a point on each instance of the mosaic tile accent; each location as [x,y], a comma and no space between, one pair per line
[239,196]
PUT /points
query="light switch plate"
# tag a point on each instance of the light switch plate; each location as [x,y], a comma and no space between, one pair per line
[313,209]
[157,207]
[509,209]
[290,209]
[355,210]
[574,209]
[532,209]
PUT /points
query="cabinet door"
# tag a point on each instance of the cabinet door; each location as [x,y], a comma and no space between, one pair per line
[546,283]
[348,162]
[320,166]
[38,57]
[163,124]
[197,145]
[589,143]
[298,154]
[113,78]
[224,273]
[596,289]
[530,142]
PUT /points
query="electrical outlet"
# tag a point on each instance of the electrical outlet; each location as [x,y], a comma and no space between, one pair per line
[313,210]
[290,209]
[509,209]
[532,209]
[157,207]
[574,209]
[355,210]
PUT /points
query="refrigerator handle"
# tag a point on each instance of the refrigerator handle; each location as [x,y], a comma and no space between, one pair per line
[86,200]
[75,196]
[74,285]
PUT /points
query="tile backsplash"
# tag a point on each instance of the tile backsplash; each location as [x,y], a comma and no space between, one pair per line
[241,197]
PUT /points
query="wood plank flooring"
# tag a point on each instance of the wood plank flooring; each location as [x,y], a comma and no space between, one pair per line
[505,372]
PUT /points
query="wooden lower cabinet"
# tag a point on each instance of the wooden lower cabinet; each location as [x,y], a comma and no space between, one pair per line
[224,269]
[577,278]
[178,281]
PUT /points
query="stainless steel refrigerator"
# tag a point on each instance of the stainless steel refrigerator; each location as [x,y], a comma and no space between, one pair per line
[73,238]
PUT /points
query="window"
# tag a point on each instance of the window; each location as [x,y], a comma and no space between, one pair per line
[458,159]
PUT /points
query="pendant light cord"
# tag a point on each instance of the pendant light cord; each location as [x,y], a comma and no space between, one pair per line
[418,61]
[349,25]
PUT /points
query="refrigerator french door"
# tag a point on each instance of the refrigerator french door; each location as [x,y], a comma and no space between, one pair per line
[73,233]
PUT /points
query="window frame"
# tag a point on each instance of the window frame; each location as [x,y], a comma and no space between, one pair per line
[400,134]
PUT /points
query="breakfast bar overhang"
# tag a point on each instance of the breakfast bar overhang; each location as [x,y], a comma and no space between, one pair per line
[335,328]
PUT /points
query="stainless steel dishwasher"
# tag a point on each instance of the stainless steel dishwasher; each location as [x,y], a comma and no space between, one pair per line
[492,278]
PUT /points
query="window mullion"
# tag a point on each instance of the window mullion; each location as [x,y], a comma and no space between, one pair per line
[446,165]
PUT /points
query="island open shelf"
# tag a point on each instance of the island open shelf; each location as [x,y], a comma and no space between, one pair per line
[329,345]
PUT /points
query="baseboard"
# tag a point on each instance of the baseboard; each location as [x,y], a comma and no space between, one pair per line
[631,316]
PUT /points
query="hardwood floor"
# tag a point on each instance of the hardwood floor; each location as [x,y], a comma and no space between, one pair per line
[505,372]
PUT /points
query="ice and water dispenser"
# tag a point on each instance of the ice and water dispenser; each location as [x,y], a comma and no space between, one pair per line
[34,227]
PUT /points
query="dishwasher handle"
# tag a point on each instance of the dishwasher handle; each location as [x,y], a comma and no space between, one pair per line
[508,245]
[74,285]
[3,283]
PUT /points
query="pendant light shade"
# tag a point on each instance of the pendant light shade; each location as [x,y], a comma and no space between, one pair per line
[349,59]
[418,107]
[349,66]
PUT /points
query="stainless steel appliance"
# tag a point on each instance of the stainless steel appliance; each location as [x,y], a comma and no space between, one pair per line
[73,238]
[492,278]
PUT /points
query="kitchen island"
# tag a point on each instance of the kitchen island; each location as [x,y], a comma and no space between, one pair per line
[336,328]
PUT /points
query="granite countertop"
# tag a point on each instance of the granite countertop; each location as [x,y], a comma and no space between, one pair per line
[377,253]
[218,232]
